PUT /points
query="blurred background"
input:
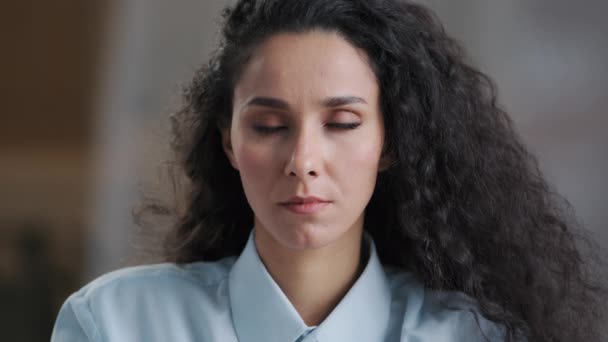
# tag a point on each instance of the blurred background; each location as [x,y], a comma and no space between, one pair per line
[87,86]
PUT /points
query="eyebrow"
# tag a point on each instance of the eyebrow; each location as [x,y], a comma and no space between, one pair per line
[329,102]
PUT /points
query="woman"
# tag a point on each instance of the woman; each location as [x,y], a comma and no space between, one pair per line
[351,179]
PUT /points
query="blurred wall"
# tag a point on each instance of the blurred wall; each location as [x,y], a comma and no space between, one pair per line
[48,80]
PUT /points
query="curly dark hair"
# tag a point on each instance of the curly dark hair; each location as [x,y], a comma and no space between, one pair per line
[463,206]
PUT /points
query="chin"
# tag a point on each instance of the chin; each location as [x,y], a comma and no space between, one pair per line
[305,236]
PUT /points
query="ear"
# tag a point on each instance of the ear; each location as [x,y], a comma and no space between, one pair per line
[227,146]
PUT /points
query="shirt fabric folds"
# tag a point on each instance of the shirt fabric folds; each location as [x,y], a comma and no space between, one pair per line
[236,299]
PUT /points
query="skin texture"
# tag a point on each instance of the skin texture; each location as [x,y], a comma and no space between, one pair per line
[314,258]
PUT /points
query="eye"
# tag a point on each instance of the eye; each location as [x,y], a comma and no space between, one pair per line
[349,125]
[274,129]
[268,129]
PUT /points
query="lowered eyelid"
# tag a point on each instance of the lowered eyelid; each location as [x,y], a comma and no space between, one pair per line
[269,122]
[344,115]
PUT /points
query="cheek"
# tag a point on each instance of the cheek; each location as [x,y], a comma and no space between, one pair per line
[359,166]
[363,153]
[365,158]
[255,165]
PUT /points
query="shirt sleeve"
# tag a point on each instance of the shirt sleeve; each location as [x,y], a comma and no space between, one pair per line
[75,322]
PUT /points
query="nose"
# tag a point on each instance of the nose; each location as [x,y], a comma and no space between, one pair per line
[305,156]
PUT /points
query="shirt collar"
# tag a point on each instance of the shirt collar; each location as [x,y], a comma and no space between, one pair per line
[262,312]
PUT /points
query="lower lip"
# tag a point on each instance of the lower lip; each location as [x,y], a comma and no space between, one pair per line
[306,208]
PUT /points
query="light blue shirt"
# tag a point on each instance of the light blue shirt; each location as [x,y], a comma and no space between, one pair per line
[236,299]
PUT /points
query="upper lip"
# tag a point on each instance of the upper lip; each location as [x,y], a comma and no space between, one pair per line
[300,199]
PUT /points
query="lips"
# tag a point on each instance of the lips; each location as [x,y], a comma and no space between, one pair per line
[305,205]
[304,200]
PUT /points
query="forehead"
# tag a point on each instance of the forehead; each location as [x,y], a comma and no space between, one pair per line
[311,64]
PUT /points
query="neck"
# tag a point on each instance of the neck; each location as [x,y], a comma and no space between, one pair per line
[314,280]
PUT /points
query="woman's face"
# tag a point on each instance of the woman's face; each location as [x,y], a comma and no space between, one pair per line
[306,122]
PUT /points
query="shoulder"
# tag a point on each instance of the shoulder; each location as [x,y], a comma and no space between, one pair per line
[154,284]
[158,275]
[130,299]
[437,315]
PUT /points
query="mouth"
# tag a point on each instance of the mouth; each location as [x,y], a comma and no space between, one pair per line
[306,208]
[305,204]
[304,200]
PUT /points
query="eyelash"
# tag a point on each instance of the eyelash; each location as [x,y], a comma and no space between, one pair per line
[273,129]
